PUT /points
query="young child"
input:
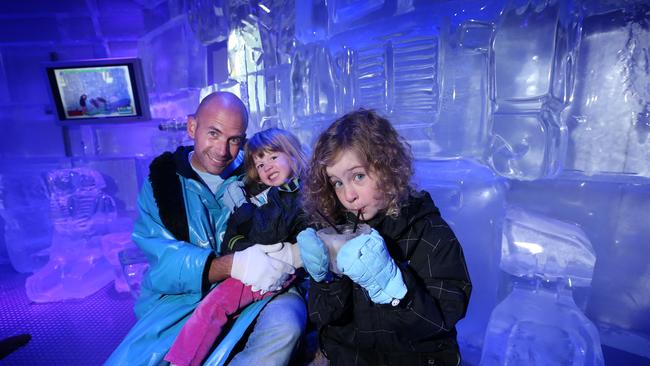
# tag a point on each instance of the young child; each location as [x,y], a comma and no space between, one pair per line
[274,164]
[405,284]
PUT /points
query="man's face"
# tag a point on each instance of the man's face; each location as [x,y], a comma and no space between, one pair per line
[219,132]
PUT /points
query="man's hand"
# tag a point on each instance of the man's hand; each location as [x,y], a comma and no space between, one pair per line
[255,267]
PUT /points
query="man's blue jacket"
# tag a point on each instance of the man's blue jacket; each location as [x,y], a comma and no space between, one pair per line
[180,227]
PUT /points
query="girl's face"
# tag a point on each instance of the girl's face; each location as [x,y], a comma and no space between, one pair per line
[354,185]
[274,168]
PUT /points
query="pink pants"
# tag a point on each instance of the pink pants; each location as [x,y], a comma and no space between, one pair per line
[203,327]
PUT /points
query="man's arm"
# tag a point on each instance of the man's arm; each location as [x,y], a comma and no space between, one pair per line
[220,268]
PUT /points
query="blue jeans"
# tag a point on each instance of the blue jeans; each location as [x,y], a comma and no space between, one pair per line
[276,332]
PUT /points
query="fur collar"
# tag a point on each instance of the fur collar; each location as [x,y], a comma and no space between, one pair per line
[167,190]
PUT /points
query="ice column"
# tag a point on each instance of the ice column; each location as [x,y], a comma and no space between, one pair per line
[610,117]
[539,323]
[531,80]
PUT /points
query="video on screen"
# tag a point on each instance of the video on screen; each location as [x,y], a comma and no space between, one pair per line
[88,92]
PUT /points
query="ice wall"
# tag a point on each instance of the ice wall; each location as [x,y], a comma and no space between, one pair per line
[33,144]
[540,105]
[536,104]
[611,96]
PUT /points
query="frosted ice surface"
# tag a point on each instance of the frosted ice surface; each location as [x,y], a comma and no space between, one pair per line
[28,235]
[537,246]
[614,216]
[76,268]
[311,20]
[524,59]
[312,82]
[527,146]
[80,214]
[244,50]
[470,198]
[209,20]
[134,265]
[609,120]
[347,14]
[112,245]
[277,30]
[540,326]
[260,47]
[24,202]
[394,71]
[463,95]
[172,58]
[531,75]
[77,204]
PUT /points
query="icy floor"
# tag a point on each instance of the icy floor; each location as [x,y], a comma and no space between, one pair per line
[84,332]
[76,332]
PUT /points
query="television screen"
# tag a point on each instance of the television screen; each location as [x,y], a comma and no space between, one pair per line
[98,91]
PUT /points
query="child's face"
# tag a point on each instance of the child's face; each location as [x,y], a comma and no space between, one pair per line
[355,187]
[274,168]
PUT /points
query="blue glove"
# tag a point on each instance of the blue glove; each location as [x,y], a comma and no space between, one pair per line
[366,261]
[234,195]
[314,254]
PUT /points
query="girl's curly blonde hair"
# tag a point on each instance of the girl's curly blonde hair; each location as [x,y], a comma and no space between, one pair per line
[385,154]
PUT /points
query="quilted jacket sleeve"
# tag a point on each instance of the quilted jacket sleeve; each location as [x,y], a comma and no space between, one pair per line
[438,289]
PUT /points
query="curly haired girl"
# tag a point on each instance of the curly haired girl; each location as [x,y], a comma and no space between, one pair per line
[404,285]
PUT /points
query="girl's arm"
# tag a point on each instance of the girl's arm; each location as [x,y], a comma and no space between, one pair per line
[239,223]
[279,220]
[329,301]
[438,287]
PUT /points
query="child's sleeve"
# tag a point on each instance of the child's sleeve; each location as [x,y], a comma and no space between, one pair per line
[438,286]
[329,302]
[239,224]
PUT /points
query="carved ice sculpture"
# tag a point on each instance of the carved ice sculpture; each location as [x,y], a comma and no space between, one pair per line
[539,323]
[80,213]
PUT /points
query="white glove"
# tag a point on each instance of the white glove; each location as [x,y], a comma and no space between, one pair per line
[234,195]
[290,254]
[252,266]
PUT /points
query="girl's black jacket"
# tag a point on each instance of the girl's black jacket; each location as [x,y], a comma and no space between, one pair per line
[278,220]
[421,328]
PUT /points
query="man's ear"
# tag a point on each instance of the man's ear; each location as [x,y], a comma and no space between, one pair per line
[191,126]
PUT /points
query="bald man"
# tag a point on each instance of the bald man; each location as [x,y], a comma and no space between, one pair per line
[181,222]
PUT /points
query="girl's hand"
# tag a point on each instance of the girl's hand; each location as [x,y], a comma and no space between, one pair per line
[366,261]
[314,254]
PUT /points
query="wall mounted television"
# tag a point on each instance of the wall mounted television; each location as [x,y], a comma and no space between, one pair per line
[98,91]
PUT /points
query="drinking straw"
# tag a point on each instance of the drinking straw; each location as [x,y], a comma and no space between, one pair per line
[356,222]
[329,222]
